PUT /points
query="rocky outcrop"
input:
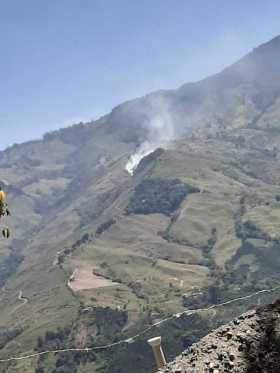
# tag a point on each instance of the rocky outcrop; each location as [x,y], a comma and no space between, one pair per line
[249,343]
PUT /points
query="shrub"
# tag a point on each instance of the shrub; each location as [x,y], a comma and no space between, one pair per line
[105,226]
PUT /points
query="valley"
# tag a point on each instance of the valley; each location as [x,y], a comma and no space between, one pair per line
[98,255]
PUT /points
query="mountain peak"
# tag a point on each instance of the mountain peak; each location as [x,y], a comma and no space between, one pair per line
[271,44]
[262,64]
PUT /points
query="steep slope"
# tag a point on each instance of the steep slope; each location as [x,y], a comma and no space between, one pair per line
[250,343]
[200,216]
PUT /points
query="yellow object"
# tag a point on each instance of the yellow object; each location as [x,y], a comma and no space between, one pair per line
[2,196]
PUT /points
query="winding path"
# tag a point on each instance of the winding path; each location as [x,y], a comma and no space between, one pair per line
[22,299]
[132,339]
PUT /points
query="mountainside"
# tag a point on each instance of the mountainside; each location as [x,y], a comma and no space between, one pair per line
[250,343]
[100,253]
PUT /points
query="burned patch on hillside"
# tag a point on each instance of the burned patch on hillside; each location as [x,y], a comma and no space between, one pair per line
[158,195]
[149,161]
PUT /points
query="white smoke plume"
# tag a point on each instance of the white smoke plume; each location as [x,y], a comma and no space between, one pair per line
[160,132]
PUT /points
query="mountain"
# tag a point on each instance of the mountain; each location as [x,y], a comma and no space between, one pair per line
[97,254]
[250,343]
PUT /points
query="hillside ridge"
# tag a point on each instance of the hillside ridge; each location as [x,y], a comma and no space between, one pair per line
[248,344]
[101,254]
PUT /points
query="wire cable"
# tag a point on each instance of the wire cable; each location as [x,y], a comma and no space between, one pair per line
[133,339]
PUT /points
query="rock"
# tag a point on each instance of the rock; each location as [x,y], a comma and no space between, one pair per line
[239,346]
[230,364]
[229,335]
[241,337]
[251,314]
[213,370]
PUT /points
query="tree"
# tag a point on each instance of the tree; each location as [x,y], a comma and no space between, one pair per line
[4,211]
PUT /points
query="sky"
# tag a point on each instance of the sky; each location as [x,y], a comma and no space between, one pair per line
[66,61]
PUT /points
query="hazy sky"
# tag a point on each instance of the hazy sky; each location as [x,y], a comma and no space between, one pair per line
[62,61]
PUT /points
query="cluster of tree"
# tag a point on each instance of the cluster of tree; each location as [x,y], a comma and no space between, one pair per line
[67,362]
[159,195]
[53,339]
[105,226]
[249,230]
[109,322]
[84,239]
[7,335]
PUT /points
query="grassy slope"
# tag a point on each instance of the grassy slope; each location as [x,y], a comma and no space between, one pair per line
[164,267]
[205,229]
[74,180]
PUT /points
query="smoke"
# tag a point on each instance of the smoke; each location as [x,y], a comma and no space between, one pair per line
[161,119]
[160,131]
[145,149]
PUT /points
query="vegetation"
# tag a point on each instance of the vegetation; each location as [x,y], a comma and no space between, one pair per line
[68,251]
[158,195]
[105,226]
[220,243]
[66,361]
[7,335]
[9,265]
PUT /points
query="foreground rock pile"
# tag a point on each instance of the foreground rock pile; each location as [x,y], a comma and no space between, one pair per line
[249,343]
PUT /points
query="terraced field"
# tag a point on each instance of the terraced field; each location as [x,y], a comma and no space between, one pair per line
[196,224]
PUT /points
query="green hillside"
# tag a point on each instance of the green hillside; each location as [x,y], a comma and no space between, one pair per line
[99,254]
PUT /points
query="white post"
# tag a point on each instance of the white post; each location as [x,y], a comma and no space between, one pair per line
[155,343]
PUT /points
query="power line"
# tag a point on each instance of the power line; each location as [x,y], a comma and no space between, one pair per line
[136,336]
